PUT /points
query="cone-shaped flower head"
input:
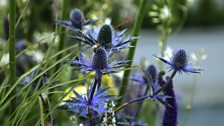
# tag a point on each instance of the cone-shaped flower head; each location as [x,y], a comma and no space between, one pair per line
[152,73]
[179,62]
[105,36]
[180,59]
[77,18]
[100,61]
[150,76]
[100,58]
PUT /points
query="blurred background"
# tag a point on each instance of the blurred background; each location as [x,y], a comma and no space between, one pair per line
[197,26]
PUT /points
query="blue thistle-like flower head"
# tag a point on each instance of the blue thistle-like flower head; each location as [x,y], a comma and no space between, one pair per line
[105,36]
[100,58]
[99,61]
[180,59]
[179,62]
[80,105]
[150,75]
[77,18]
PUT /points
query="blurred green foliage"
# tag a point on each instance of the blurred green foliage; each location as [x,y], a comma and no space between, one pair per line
[40,15]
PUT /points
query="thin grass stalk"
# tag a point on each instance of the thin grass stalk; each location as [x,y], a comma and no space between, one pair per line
[12,51]
[131,52]
[62,31]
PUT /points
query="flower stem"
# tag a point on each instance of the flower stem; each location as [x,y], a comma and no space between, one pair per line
[132,101]
[62,32]
[140,105]
[92,91]
[167,84]
[12,51]
[130,55]
[97,81]
[148,96]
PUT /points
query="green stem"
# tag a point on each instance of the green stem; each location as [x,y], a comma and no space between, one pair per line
[12,50]
[162,46]
[130,55]
[62,32]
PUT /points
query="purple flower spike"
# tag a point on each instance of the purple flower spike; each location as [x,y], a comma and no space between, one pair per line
[170,113]
[6,28]
[179,62]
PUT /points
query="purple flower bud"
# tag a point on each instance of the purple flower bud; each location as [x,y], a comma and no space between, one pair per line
[77,18]
[6,28]
[152,73]
[105,36]
[99,61]
[180,60]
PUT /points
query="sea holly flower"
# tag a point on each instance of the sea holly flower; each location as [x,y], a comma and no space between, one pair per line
[99,61]
[106,37]
[150,74]
[179,62]
[77,20]
[80,103]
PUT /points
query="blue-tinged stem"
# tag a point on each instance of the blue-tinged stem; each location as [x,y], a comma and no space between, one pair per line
[12,50]
[92,91]
[132,101]
[130,55]
[97,81]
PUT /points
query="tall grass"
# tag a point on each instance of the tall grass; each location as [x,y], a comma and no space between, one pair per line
[12,50]
[131,52]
